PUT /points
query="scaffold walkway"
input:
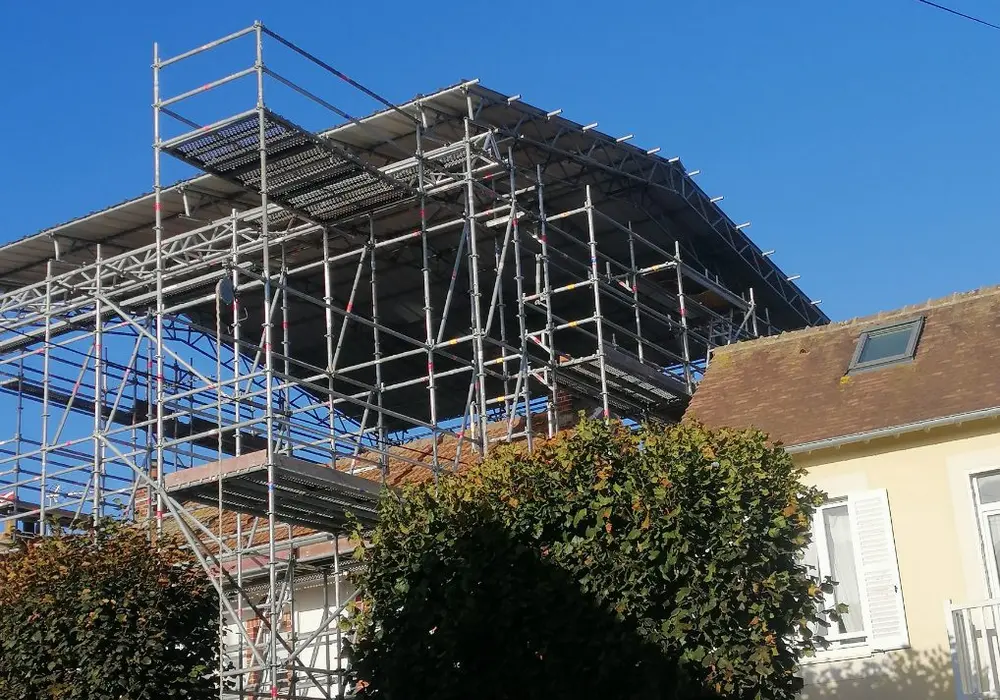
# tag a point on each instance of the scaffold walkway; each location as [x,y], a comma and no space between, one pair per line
[307,494]
[305,173]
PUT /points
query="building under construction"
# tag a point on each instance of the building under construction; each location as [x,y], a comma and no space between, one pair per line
[243,356]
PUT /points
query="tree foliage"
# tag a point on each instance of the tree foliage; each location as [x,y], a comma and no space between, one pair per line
[607,563]
[106,615]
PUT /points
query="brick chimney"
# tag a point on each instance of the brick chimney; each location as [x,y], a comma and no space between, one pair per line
[145,501]
[568,407]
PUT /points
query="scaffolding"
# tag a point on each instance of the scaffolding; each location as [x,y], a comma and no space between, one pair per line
[237,357]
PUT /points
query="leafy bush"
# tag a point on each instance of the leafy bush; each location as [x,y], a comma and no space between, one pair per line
[607,563]
[106,615]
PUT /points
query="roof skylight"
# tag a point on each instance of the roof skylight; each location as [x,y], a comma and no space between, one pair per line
[887,345]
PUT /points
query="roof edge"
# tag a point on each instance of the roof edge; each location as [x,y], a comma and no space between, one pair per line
[880,316]
[893,431]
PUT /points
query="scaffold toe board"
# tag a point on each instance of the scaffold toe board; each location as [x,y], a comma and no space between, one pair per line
[305,493]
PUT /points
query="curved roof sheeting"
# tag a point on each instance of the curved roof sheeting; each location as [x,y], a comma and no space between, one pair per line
[388,136]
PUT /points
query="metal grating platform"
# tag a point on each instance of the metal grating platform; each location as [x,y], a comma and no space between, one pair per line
[308,174]
[306,493]
[631,385]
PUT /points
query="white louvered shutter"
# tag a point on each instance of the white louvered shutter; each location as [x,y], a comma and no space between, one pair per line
[879,570]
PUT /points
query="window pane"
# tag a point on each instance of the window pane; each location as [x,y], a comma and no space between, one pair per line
[989,488]
[843,566]
[811,560]
[994,522]
[881,345]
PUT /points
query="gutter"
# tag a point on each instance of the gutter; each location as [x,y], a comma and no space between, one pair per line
[895,431]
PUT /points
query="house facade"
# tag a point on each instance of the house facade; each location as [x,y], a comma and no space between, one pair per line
[897,418]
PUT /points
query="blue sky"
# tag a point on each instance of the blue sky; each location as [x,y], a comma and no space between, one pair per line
[859,137]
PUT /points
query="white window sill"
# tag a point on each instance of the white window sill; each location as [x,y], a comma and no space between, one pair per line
[860,651]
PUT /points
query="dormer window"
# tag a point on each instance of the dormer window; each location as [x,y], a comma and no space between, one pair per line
[887,345]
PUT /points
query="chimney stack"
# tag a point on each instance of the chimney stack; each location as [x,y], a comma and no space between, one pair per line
[568,407]
[145,501]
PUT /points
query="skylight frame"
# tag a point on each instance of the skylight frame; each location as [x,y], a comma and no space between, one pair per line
[916,327]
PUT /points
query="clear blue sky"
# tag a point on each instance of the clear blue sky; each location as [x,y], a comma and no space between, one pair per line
[860,137]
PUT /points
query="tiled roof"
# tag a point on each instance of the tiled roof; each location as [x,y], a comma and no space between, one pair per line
[400,459]
[795,386]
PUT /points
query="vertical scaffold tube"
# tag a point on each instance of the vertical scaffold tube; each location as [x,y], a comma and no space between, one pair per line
[18,431]
[428,307]
[634,282]
[286,350]
[328,321]
[549,321]
[596,283]
[684,321]
[524,369]
[158,234]
[219,423]
[475,293]
[98,388]
[340,639]
[238,440]
[272,562]
[46,400]
[377,340]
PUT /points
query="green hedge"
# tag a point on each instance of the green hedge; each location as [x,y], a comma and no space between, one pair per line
[106,615]
[660,563]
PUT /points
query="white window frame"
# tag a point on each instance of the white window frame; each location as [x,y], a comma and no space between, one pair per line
[839,640]
[983,512]
[877,569]
[913,326]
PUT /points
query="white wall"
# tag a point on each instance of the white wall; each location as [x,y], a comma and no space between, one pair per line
[928,480]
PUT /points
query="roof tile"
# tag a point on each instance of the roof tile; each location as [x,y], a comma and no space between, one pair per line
[809,396]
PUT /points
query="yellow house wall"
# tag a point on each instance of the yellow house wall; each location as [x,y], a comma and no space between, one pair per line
[928,479]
